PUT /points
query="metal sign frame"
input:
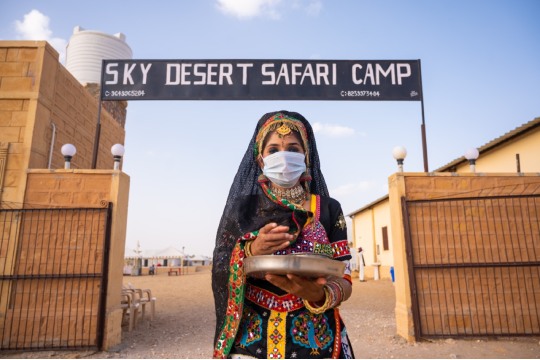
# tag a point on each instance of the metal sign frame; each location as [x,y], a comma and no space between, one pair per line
[322,80]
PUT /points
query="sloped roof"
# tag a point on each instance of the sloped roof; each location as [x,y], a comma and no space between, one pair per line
[520,130]
[371,204]
[131,253]
[168,253]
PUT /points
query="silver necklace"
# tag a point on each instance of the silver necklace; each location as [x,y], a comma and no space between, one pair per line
[296,195]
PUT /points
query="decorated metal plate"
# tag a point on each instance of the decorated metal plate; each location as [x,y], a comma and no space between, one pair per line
[307,265]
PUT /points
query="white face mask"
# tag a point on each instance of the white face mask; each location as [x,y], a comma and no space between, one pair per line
[284,168]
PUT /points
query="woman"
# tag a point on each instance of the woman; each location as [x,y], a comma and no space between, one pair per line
[279,204]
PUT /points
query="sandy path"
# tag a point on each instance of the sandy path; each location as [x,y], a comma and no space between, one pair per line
[184,327]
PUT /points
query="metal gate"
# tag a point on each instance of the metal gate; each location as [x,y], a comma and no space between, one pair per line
[474,265]
[53,277]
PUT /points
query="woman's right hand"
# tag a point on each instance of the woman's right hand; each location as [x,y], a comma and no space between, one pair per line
[272,237]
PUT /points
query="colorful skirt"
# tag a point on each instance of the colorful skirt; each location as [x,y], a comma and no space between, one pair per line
[280,327]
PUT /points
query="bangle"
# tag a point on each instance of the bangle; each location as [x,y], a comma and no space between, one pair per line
[321,309]
[340,286]
[247,248]
[336,290]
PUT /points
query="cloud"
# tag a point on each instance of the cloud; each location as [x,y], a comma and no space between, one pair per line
[353,188]
[333,130]
[313,8]
[35,26]
[245,9]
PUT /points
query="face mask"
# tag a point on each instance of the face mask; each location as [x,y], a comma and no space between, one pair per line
[284,168]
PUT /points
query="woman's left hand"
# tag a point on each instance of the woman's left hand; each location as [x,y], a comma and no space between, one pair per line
[307,289]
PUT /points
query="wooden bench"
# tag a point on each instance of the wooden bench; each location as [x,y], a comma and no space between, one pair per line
[175,271]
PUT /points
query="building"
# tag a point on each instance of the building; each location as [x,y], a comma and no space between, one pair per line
[515,151]
[138,261]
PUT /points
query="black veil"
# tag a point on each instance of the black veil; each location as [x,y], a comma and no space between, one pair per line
[242,213]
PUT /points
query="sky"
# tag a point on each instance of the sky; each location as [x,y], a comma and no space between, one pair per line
[480,76]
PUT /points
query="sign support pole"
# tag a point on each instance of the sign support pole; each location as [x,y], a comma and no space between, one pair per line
[96,137]
[423,126]
[98,123]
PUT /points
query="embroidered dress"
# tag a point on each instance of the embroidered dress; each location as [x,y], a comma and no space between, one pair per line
[253,317]
[276,325]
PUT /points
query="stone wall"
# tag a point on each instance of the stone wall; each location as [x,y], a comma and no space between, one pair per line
[39,98]
[42,107]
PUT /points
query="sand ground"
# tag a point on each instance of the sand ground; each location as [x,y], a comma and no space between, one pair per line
[184,327]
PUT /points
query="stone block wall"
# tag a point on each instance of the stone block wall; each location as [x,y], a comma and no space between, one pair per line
[42,107]
[40,101]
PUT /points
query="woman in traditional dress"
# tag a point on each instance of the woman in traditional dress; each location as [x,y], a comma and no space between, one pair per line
[279,204]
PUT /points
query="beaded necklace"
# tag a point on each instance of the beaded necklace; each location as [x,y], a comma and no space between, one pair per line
[282,201]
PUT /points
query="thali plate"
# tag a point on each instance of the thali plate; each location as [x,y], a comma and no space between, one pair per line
[307,265]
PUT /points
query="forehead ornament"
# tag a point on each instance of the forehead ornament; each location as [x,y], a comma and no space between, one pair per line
[283,130]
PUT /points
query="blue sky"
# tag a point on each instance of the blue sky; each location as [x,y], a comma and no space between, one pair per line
[480,71]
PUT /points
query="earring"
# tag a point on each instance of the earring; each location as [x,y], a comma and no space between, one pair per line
[260,161]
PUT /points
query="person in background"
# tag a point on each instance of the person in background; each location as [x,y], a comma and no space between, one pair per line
[279,204]
[152,270]
[361,264]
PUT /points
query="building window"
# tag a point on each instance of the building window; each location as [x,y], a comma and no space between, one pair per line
[385,238]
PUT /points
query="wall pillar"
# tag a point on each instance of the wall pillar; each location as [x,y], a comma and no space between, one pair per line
[403,310]
[91,188]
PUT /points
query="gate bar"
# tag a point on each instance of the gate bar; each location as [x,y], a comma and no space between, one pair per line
[105,282]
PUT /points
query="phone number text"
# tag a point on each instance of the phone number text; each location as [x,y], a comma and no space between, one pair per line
[359,93]
[125,93]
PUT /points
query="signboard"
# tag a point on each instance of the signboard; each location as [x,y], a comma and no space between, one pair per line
[261,80]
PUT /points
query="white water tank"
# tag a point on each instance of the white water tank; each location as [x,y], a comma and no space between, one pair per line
[86,49]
